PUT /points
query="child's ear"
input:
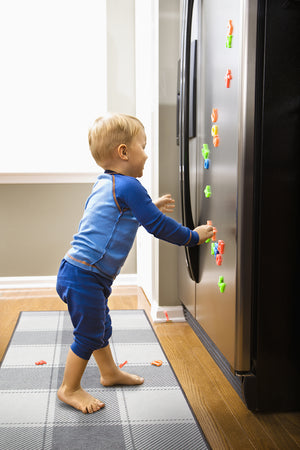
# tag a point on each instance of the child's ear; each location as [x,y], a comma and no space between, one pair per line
[122,152]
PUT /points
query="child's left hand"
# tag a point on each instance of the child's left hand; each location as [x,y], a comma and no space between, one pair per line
[166,203]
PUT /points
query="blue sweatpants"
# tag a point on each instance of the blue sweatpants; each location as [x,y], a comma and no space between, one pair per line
[86,295]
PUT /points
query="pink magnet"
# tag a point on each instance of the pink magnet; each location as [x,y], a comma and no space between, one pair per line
[221,246]
[219,259]
[228,78]
[167,315]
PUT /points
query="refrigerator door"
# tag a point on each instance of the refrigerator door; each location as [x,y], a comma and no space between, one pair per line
[222,304]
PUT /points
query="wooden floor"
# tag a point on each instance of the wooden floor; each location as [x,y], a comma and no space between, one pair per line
[225,420]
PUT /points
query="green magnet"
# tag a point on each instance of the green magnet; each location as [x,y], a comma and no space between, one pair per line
[228,41]
[205,151]
[222,287]
[207,191]
[221,284]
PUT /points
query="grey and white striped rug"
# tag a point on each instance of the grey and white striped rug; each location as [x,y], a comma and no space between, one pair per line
[154,416]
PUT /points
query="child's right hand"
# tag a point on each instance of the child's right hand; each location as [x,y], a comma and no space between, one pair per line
[204,232]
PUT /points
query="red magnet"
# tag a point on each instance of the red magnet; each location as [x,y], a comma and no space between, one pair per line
[221,246]
[214,234]
[40,363]
[228,77]
[230,28]
[219,259]
[214,115]
[216,141]
[123,364]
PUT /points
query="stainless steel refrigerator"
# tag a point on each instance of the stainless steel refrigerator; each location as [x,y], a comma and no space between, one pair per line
[238,131]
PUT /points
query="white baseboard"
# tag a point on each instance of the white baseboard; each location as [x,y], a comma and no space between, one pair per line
[129,279]
[27,282]
[161,314]
[50,282]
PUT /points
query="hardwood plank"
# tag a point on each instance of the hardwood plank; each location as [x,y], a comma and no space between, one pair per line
[283,428]
[11,306]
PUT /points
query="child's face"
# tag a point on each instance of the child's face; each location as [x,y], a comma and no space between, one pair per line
[137,155]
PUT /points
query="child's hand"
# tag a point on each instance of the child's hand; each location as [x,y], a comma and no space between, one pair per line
[166,203]
[205,232]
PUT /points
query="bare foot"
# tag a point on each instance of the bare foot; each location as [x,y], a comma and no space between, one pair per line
[120,377]
[79,399]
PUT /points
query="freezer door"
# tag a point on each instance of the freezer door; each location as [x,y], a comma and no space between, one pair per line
[188,258]
[222,301]
[186,124]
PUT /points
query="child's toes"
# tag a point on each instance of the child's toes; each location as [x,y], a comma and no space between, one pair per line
[139,380]
[97,405]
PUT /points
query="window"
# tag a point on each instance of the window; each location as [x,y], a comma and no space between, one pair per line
[52,84]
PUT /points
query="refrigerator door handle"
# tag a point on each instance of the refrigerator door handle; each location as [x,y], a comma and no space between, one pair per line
[191,253]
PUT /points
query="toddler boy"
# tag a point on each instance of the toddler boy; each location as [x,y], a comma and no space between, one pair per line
[113,212]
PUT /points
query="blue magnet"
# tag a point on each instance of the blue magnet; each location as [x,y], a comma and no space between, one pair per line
[206,163]
[216,251]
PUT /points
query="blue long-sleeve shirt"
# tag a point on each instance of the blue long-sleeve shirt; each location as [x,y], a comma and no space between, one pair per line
[113,212]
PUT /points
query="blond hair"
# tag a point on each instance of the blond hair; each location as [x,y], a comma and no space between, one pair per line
[110,131]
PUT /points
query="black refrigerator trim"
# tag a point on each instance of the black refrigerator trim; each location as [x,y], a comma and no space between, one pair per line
[186,128]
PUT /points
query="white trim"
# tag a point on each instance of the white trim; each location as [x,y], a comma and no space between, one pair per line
[147,89]
[129,279]
[41,178]
[27,282]
[174,313]
[50,282]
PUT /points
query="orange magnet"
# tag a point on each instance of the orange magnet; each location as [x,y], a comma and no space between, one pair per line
[157,363]
[214,115]
[123,364]
[216,141]
[214,234]
[230,28]
[40,363]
